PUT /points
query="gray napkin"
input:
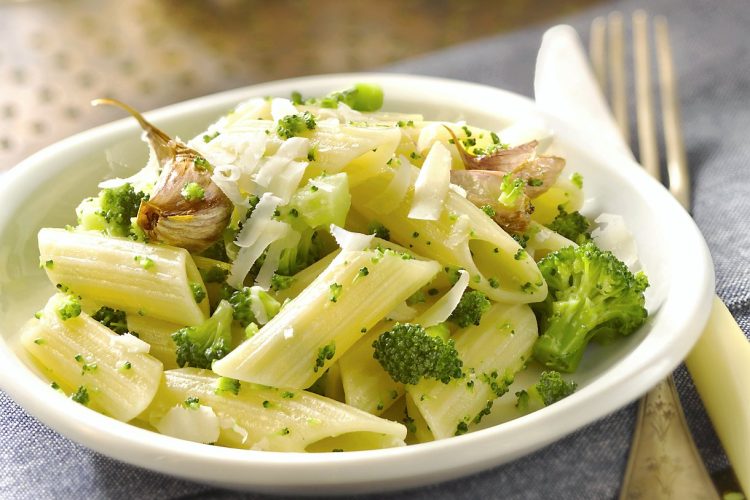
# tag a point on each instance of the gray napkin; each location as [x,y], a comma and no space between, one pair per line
[712,57]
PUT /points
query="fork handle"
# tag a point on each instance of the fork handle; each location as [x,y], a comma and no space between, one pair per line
[720,366]
[663,461]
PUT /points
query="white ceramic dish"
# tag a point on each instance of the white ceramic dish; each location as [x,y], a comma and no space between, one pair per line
[44,189]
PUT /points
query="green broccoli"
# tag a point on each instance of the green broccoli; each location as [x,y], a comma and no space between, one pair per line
[409,353]
[362,97]
[573,226]
[69,307]
[114,319]
[550,388]
[199,346]
[511,191]
[293,125]
[281,282]
[470,308]
[250,302]
[118,206]
[379,230]
[591,295]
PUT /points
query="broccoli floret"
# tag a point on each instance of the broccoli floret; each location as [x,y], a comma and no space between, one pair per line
[511,191]
[470,308]
[379,230]
[281,282]
[69,307]
[409,353]
[550,388]
[226,384]
[118,206]
[114,319]
[573,226]
[250,302]
[200,345]
[592,294]
[294,125]
[362,97]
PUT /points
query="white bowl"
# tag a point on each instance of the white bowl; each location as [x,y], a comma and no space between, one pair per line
[44,190]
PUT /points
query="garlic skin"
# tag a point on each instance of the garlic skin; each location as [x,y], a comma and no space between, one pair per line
[168,216]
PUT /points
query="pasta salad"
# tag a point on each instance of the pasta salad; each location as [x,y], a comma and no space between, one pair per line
[318,275]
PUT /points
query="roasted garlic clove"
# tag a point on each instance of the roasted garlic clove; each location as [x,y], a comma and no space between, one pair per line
[186,209]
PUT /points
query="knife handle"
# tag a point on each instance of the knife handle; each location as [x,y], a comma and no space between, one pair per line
[720,367]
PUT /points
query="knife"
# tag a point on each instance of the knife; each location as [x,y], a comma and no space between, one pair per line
[719,363]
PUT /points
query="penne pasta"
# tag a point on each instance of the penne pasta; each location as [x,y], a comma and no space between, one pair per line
[155,280]
[109,373]
[265,418]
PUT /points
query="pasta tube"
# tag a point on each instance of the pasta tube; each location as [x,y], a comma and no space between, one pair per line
[265,418]
[110,373]
[155,280]
[464,237]
[492,353]
[313,330]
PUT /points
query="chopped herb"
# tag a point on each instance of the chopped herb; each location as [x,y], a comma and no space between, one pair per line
[199,293]
[38,315]
[266,404]
[81,395]
[144,262]
[201,163]
[461,428]
[192,403]
[226,384]
[192,191]
[494,283]
[210,137]
[287,395]
[363,272]
[415,234]
[49,264]
[520,254]
[577,180]
[325,353]
[126,366]
[40,341]
[363,330]
[335,292]
[55,385]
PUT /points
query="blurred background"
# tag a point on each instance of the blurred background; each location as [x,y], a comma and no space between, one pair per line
[55,56]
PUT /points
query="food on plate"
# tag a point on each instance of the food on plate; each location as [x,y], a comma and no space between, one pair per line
[320,275]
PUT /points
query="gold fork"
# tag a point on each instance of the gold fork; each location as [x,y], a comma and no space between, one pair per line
[663,461]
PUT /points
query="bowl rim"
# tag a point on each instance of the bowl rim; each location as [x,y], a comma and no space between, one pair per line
[365,471]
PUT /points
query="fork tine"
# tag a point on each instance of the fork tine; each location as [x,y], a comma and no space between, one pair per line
[679,177]
[647,145]
[619,96]
[597,47]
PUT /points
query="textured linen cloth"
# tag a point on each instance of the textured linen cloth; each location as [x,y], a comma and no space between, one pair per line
[712,56]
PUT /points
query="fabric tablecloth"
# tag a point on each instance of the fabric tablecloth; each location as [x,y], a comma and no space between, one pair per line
[712,56]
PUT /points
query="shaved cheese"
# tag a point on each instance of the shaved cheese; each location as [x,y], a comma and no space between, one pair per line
[261,215]
[431,186]
[443,308]
[613,235]
[253,109]
[392,195]
[349,240]
[402,312]
[282,107]
[225,177]
[431,134]
[130,343]
[269,232]
[280,174]
[200,425]
[459,232]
